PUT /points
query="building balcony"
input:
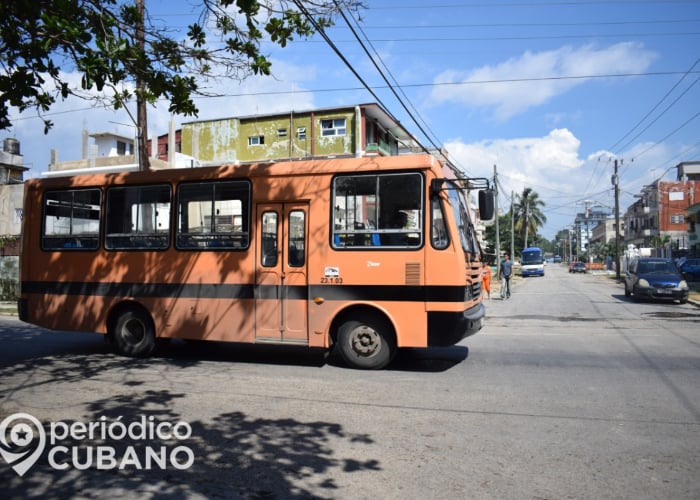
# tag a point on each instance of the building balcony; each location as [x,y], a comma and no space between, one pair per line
[378,148]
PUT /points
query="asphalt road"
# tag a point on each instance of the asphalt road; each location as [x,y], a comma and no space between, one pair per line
[570,391]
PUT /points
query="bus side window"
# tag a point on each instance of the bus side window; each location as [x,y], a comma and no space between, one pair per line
[213,215]
[378,211]
[297,238]
[438,229]
[71,219]
[138,217]
[270,235]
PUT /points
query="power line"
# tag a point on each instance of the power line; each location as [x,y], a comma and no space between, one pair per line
[517,38]
[411,113]
[611,148]
[404,86]
[533,4]
[526,25]
[320,30]
[683,125]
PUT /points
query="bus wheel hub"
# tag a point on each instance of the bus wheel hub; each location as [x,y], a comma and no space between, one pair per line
[365,341]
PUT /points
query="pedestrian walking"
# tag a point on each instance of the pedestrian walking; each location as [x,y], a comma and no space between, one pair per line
[506,271]
[486,279]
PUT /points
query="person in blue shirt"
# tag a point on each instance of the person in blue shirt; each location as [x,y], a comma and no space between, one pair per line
[506,272]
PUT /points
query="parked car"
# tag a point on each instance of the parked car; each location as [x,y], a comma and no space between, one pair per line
[690,269]
[577,267]
[655,278]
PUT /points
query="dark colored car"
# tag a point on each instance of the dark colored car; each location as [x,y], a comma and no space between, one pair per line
[690,269]
[655,278]
[577,267]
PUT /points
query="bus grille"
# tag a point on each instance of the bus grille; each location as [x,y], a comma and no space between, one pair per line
[476,290]
[413,273]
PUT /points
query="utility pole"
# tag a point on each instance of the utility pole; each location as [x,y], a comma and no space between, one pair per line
[141,116]
[498,239]
[616,183]
[512,227]
[588,229]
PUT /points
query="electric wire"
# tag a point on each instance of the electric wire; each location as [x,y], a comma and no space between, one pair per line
[412,113]
[655,107]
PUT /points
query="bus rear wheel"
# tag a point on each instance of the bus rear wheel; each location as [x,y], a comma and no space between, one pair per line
[366,344]
[133,334]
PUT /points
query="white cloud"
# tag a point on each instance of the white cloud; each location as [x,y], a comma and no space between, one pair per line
[282,92]
[547,161]
[502,88]
[551,165]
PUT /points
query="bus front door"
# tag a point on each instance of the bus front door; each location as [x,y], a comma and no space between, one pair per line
[281,291]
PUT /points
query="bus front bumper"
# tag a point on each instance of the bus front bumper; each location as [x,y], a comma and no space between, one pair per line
[445,329]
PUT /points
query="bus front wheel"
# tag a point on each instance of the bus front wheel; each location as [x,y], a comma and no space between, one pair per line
[366,344]
[134,334]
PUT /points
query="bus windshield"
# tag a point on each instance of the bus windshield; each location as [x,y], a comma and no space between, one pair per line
[461,213]
[532,256]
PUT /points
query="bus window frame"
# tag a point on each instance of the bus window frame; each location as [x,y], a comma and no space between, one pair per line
[71,241]
[439,237]
[269,256]
[296,257]
[214,241]
[467,234]
[139,240]
[371,237]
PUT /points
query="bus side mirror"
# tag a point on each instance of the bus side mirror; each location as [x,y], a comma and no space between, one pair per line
[486,202]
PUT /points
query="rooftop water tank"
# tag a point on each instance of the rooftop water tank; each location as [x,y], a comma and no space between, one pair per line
[11,146]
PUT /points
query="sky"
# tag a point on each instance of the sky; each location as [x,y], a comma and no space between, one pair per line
[549,93]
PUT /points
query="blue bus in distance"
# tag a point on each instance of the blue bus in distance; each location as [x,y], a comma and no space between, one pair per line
[532,262]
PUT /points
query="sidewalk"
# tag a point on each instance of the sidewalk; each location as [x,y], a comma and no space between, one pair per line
[8,308]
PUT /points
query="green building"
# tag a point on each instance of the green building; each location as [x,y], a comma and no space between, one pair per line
[359,130]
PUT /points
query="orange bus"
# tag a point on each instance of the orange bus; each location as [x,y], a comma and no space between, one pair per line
[366,255]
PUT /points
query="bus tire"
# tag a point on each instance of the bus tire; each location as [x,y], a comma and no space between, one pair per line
[368,344]
[133,334]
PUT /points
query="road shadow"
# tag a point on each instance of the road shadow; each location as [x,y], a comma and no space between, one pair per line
[28,346]
[621,297]
[430,359]
[231,455]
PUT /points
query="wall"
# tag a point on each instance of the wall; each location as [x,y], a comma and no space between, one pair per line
[11,200]
[226,140]
[213,140]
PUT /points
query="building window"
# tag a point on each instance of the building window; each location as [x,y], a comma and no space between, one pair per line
[281,132]
[333,127]
[256,140]
[121,148]
[677,219]
[301,133]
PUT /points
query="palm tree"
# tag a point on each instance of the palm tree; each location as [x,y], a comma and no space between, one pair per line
[660,242]
[527,213]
